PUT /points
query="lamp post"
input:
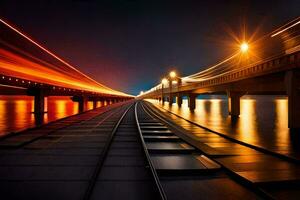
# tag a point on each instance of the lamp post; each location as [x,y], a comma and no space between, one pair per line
[163,82]
[173,77]
[244,47]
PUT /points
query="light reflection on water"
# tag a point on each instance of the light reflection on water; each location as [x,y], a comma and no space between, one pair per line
[263,120]
[16,112]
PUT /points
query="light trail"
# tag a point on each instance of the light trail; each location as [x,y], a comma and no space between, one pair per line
[285,29]
[197,76]
[36,69]
[15,65]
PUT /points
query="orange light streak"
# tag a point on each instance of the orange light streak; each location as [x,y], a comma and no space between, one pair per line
[15,65]
[277,33]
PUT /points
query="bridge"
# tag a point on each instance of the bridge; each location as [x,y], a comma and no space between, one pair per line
[28,68]
[133,150]
[272,68]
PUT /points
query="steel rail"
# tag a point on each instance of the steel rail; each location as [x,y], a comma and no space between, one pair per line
[153,171]
[103,155]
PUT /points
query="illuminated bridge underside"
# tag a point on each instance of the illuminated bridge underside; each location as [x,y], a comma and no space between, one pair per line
[276,76]
[27,68]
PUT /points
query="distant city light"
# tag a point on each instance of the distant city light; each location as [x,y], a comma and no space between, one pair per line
[244,47]
[142,92]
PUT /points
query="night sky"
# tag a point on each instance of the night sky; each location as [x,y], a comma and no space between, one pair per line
[130,45]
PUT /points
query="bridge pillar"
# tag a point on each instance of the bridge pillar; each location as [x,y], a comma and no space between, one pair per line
[171,99]
[39,102]
[39,99]
[163,100]
[82,104]
[95,104]
[192,101]
[234,102]
[292,82]
[179,100]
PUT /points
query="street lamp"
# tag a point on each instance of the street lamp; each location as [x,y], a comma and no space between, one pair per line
[164,81]
[172,74]
[244,47]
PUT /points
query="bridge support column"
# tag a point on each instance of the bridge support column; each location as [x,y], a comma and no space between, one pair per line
[82,104]
[293,91]
[171,99]
[179,100]
[95,104]
[163,100]
[39,102]
[192,101]
[234,102]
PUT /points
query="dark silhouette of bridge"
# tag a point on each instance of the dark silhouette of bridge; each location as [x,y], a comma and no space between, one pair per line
[28,68]
[276,72]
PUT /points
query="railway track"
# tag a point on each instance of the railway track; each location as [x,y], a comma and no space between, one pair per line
[128,152]
[123,170]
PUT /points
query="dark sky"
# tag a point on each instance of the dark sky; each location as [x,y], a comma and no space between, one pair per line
[130,45]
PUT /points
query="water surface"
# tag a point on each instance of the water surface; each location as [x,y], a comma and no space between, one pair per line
[263,120]
[16,112]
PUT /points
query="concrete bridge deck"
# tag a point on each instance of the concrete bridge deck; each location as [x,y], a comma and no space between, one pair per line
[276,76]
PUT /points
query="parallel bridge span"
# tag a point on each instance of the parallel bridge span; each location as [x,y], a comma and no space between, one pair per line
[278,75]
[28,68]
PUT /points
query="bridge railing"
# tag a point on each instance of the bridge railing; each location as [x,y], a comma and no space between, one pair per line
[274,65]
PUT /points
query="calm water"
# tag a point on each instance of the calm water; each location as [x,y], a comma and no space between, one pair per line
[16,112]
[263,121]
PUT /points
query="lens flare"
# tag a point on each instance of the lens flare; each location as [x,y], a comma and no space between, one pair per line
[244,47]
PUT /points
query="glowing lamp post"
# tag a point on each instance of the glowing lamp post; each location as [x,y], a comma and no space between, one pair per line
[172,74]
[163,82]
[244,47]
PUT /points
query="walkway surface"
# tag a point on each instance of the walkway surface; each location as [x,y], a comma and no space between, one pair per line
[277,176]
[57,160]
